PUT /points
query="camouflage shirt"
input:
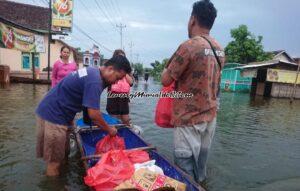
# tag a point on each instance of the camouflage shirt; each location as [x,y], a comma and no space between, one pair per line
[196,70]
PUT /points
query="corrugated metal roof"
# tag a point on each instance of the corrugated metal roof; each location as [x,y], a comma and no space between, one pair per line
[265,63]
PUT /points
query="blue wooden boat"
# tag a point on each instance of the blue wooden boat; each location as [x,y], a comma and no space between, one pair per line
[88,137]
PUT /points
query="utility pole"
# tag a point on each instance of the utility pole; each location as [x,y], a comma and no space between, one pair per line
[49,35]
[33,67]
[121,26]
[137,58]
[130,46]
[295,84]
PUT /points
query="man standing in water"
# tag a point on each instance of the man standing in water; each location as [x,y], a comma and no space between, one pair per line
[57,110]
[195,69]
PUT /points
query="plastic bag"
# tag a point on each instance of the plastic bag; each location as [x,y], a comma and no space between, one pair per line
[109,143]
[164,108]
[121,86]
[149,165]
[114,168]
[137,156]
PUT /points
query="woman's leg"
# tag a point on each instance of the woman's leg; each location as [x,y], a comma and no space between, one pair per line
[125,119]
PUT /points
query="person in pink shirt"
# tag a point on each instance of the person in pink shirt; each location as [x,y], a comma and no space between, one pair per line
[63,66]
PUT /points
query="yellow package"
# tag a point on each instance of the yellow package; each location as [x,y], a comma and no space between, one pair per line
[146,180]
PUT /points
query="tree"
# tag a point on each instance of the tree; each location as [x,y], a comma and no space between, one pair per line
[138,67]
[148,70]
[158,68]
[245,47]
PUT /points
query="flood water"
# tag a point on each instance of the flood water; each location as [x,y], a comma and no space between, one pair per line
[256,144]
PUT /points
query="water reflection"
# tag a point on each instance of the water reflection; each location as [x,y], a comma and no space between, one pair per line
[145,87]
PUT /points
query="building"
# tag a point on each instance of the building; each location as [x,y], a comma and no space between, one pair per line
[27,23]
[233,81]
[92,57]
[274,78]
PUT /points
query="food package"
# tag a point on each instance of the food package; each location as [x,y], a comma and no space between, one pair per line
[145,180]
[149,165]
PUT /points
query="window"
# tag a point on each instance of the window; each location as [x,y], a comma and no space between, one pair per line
[25,60]
[86,61]
[36,61]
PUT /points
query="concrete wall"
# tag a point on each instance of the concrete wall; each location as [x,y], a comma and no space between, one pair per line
[13,58]
[284,90]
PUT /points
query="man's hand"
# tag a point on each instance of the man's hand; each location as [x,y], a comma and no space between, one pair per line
[112,131]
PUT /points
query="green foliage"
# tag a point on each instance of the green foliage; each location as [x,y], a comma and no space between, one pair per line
[138,67]
[148,70]
[158,68]
[245,47]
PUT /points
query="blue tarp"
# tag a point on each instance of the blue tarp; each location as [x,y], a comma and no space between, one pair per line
[110,120]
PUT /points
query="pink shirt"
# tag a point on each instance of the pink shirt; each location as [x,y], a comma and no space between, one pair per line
[60,70]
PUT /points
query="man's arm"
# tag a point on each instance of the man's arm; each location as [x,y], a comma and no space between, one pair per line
[176,65]
[166,78]
[97,119]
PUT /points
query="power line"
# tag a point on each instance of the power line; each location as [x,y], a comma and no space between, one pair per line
[130,46]
[105,14]
[81,42]
[114,8]
[116,4]
[94,16]
[97,43]
[121,26]
[109,10]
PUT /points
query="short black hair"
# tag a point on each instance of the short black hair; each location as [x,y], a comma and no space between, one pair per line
[65,46]
[119,52]
[119,62]
[205,13]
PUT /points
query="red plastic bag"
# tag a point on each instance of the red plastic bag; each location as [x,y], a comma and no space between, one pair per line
[114,168]
[121,86]
[137,156]
[109,143]
[164,108]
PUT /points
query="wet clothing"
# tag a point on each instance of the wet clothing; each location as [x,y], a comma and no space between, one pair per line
[78,89]
[191,148]
[117,106]
[195,69]
[61,70]
[53,141]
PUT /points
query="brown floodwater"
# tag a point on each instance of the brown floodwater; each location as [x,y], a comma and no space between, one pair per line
[256,145]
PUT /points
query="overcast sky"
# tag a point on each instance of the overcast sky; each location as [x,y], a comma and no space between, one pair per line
[157,27]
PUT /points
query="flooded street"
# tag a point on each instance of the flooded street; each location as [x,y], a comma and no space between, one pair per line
[256,145]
